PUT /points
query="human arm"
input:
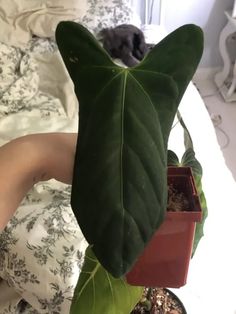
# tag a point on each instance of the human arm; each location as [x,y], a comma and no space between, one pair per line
[30,159]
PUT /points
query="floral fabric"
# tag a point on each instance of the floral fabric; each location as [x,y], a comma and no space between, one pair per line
[19,83]
[106,13]
[42,248]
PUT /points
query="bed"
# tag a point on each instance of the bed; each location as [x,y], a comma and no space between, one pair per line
[42,248]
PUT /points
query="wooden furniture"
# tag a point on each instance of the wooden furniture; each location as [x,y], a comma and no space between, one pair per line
[226,79]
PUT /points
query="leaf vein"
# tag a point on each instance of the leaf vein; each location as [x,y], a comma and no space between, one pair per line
[145,172]
[146,94]
[87,281]
[149,134]
[106,86]
[111,289]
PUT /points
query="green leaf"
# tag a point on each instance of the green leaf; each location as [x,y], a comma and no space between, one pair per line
[98,292]
[119,189]
[199,231]
[187,137]
[189,160]
[172,159]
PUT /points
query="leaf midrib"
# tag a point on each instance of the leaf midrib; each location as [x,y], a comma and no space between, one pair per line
[121,153]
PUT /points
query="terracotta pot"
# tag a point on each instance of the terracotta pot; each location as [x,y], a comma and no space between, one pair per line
[165,260]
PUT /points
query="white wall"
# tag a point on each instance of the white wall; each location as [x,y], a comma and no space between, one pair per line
[208,14]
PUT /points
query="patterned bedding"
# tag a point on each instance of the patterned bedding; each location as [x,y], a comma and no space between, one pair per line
[42,247]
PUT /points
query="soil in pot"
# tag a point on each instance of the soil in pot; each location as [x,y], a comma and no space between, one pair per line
[159,301]
[177,201]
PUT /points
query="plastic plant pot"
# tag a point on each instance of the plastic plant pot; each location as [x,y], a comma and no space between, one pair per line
[165,260]
[174,296]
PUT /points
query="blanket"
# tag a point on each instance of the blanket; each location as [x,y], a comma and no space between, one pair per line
[21,19]
[42,247]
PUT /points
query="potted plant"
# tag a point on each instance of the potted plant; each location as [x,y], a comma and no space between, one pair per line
[165,260]
[162,299]
[119,189]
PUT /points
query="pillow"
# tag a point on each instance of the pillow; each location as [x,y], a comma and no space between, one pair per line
[43,22]
[107,13]
[20,19]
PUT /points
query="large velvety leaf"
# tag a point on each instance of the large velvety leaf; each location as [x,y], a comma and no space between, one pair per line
[119,188]
[97,292]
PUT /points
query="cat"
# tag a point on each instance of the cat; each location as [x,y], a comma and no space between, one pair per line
[125,42]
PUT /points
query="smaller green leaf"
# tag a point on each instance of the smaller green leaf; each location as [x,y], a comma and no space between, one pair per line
[199,231]
[172,159]
[188,143]
[189,160]
[97,292]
